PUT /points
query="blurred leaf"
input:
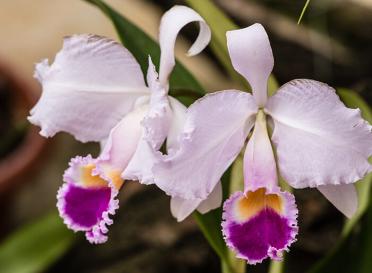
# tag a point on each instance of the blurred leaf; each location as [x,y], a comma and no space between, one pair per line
[34,247]
[237,179]
[210,225]
[141,46]
[207,223]
[353,251]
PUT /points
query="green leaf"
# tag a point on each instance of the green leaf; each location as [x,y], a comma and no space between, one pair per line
[141,46]
[353,250]
[210,225]
[34,247]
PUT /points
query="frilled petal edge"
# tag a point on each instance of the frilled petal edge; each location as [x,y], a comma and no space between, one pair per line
[318,140]
[260,224]
[86,201]
[92,83]
[215,129]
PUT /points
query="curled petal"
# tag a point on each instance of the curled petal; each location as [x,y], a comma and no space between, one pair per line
[176,126]
[260,224]
[343,197]
[91,84]
[158,118]
[85,201]
[251,56]
[181,208]
[156,126]
[214,133]
[171,23]
[318,140]
[259,161]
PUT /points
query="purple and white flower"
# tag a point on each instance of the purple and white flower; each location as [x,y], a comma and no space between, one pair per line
[96,91]
[318,142]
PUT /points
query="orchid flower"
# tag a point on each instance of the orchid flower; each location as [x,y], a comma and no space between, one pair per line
[95,90]
[318,141]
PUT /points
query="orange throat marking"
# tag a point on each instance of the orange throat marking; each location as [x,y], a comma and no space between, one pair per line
[95,181]
[256,201]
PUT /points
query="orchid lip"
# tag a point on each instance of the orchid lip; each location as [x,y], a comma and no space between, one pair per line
[260,224]
[87,199]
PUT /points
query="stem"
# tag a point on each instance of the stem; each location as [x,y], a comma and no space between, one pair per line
[276,267]
[303,11]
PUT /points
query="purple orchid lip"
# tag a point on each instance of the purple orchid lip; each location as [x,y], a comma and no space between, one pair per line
[260,224]
[87,198]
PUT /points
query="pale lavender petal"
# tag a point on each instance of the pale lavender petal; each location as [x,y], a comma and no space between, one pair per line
[156,125]
[215,129]
[259,161]
[182,208]
[261,224]
[213,201]
[86,200]
[343,197]
[123,140]
[251,56]
[176,126]
[318,140]
[92,83]
[171,23]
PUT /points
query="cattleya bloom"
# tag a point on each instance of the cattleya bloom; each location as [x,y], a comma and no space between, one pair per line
[95,90]
[318,141]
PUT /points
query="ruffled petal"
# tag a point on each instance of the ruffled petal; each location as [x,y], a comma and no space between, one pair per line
[260,224]
[318,140]
[214,133]
[171,23]
[91,84]
[156,126]
[259,161]
[86,201]
[176,126]
[182,208]
[251,56]
[343,197]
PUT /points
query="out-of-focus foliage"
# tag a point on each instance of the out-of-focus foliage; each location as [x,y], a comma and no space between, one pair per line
[36,246]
